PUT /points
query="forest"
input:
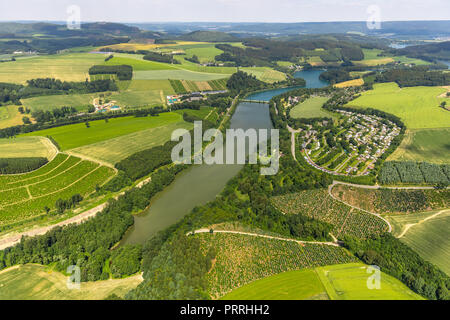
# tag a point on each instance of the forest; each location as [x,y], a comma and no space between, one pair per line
[21,165]
[123,72]
[415,76]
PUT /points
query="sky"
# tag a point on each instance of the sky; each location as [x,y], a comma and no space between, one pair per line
[225,10]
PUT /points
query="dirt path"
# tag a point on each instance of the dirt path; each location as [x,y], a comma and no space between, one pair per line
[293,132]
[410,225]
[330,188]
[12,240]
[265,236]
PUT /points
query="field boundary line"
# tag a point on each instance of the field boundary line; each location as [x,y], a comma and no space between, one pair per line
[410,225]
[51,193]
[301,242]
[76,164]
[103,163]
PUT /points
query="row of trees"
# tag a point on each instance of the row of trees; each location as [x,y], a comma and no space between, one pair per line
[123,72]
[21,165]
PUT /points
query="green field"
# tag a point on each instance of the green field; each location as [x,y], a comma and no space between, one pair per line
[431,145]
[336,282]
[116,149]
[429,238]
[204,53]
[418,107]
[311,108]
[25,196]
[78,135]
[48,103]
[292,285]
[36,282]
[349,282]
[68,67]
[27,147]
[137,63]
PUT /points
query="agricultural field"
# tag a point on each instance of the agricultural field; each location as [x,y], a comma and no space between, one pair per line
[27,147]
[10,116]
[393,200]
[349,282]
[116,149]
[135,46]
[205,53]
[36,282]
[418,107]
[265,74]
[350,83]
[427,234]
[372,59]
[424,145]
[137,63]
[25,196]
[185,86]
[48,103]
[242,259]
[66,67]
[317,204]
[311,108]
[78,135]
[178,74]
[337,282]
[410,172]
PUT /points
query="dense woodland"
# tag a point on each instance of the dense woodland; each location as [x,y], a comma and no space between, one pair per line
[123,72]
[21,165]
[416,76]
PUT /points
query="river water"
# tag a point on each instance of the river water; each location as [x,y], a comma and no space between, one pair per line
[202,183]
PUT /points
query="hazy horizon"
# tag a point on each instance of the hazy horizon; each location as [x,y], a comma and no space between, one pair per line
[225,11]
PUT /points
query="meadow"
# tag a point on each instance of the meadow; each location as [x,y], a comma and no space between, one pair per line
[418,107]
[116,149]
[351,83]
[10,116]
[48,103]
[242,259]
[265,74]
[36,282]
[27,147]
[424,145]
[78,135]
[177,74]
[67,67]
[336,282]
[429,238]
[311,108]
[24,197]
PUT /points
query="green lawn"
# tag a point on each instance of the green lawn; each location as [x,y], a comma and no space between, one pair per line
[36,282]
[336,282]
[311,108]
[418,107]
[68,67]
[432,145]
[77,135]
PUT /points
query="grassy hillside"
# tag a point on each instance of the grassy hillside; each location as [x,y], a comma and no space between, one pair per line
[35,282]
[418,107]
[10,116]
